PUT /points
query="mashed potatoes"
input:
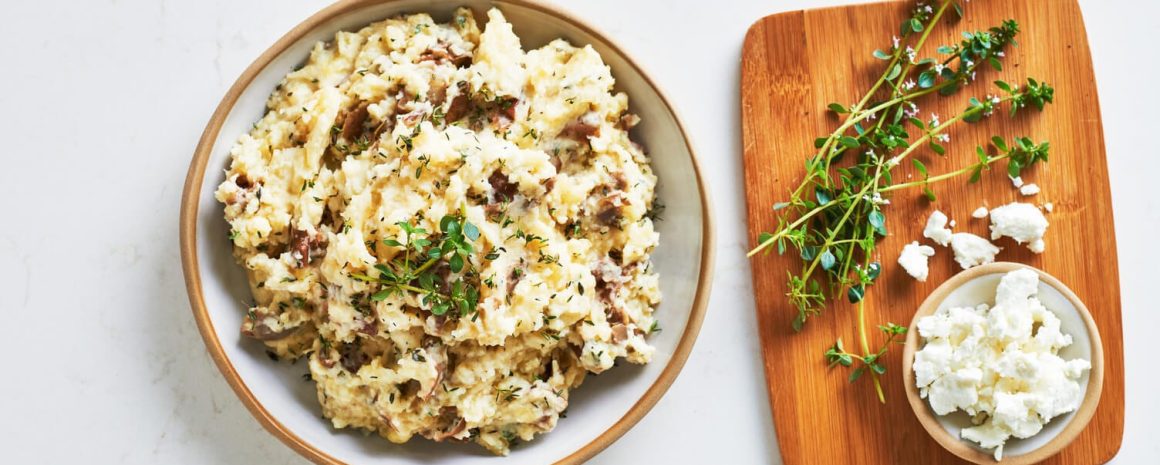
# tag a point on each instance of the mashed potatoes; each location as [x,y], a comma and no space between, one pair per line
[410,124]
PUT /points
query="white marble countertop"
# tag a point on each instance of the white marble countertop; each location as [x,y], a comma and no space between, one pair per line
[103,101]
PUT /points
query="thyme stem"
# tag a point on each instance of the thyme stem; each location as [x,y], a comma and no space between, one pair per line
[942,177]
[405,287]
[866,348]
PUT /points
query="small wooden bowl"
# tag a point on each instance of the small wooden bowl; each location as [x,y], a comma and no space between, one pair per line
[977,285]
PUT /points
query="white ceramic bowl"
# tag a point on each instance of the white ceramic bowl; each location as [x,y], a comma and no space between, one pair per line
[601,410]
[975,286]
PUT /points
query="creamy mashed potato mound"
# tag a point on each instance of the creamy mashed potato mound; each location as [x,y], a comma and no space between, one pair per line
[410,121]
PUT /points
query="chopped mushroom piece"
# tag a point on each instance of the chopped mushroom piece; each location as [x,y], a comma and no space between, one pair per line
[352,125]
[628,121]
[306,247]
[260,324]
[451,424]
[444,52]
[502,189]
[619,333]
[582,128]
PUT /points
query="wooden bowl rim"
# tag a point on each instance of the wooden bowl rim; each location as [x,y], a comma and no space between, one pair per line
[961,447]
[191,195]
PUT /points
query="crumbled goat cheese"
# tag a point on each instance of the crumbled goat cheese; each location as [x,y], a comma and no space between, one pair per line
[951,224]
[971,250]
[1017,181]
[1000,365]
[1050,207]
[936,229]
[914,259]
[1022,222]
[980,212]
[1029,189]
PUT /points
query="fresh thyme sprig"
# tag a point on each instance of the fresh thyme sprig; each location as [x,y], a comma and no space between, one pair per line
[834,218]
[1021,154]
[415,271]
[942,77]
[869,176]
[837,354]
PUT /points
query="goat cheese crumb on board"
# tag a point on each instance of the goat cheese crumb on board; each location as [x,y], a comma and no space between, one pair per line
[1020,221]
[915,258]
[936,228]
[971,250]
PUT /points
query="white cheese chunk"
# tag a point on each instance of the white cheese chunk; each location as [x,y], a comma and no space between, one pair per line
[1029,189]
[1022,222]
[1016,181]
[936,228]
[914,259]
[971,250]
[980,212]
[1000,365]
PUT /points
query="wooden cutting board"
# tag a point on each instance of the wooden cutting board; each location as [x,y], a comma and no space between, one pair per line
[792,66]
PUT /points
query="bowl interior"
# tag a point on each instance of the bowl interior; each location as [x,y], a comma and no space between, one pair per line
[980,288]
[603,400]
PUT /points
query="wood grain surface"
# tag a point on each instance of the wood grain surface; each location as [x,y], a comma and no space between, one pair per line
[793,65]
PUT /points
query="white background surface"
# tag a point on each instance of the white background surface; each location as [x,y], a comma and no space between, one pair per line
[102,102]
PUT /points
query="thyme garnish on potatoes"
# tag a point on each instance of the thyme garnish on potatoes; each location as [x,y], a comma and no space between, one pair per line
[415,269]
[835,216]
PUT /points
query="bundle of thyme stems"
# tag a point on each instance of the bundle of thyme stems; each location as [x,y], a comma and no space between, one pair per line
[834,218]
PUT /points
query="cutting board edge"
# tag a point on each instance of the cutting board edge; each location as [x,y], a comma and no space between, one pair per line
[1119,432]
[767,371]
